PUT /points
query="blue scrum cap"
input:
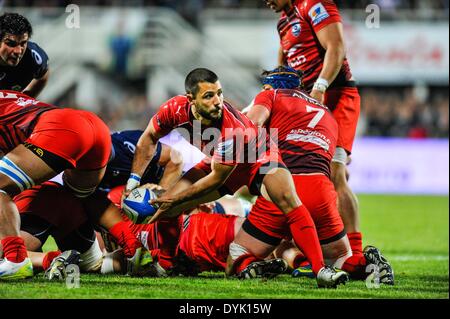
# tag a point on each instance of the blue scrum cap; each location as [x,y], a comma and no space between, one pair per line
[282,77]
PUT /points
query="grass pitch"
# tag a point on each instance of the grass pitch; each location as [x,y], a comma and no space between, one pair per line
[411,231]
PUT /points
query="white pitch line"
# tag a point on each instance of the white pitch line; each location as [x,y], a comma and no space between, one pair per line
[418,257]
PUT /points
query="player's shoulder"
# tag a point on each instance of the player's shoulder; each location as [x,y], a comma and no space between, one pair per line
[316,10]
[175,104]
[35,54]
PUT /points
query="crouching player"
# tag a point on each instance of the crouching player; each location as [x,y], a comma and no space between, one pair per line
[39,141]
[50,210]
[307,134]
[190,244]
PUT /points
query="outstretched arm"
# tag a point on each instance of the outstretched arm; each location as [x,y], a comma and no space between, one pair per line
[172,161]
[145,148]
[202,187]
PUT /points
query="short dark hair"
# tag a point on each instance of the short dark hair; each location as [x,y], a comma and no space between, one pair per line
[197,76]
[15,24]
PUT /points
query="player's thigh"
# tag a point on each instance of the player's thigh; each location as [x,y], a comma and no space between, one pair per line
[20,169]
[279,188]
[253,245]
[84,179]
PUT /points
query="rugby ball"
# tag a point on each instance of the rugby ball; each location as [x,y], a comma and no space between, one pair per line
[136,206]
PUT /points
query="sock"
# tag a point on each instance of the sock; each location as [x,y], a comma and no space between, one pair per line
[305,236]
[14,249]
[125,238]
[242,262]
[48,258]
[356,266]
[300,261]
[355,242]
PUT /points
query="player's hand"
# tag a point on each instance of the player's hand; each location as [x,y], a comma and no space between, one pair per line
[318,95]
[157,189]
[133,182]
[164,211]
[206,208]
[125,194]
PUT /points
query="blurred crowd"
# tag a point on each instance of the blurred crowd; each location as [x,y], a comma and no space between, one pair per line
[416,112]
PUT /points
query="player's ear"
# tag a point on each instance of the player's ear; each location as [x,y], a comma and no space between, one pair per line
[190,97]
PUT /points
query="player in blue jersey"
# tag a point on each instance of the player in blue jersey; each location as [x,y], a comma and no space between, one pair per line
[164,168]
[23,64]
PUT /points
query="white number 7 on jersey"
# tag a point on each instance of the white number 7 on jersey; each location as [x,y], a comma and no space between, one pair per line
[317,117]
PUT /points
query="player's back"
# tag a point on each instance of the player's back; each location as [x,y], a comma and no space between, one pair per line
[119,166]
[307,131]
[18,116]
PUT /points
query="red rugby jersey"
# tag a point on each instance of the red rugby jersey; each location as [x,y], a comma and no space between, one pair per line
[232,140]
[307,131]
[301,48]
[18,116]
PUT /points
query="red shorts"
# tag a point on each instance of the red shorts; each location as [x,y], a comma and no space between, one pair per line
[345,104]
[318,195]
[163,236]
[246,174]
[54,204]
[207,239]
[79,137]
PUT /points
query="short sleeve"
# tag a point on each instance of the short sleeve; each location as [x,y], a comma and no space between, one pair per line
[319,14]
[39,60]
[266,99]
[167,118]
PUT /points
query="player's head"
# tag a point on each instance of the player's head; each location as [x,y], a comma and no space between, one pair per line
[282,77]
[15,30]
[278,5]
[204,91]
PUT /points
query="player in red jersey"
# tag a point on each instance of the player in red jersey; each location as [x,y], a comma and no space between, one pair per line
[307,135]
[189,244]
[39,141]
[311,40]
[232,140]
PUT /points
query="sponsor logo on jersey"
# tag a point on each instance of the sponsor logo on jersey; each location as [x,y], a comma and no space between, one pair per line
[131,147]
[25,102]
[37,57]
[296,28]
[308,136]
[318,13]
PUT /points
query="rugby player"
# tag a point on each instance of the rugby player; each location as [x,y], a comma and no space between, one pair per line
[23,64]
[307,135]
[311,40]
[39,141]
[230,138]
